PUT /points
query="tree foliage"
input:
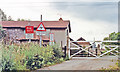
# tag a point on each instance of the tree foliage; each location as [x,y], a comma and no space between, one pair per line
[10,18]
[113,36]
[2,32]
[23,19]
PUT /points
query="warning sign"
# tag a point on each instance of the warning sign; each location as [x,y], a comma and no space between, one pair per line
[41,27]
[29,29]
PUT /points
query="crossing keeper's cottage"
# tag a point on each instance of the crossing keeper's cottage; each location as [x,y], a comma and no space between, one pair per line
[16,30]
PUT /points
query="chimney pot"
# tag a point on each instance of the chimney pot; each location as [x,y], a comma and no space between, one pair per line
[60,19]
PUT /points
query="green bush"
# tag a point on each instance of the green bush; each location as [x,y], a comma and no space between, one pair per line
[29,56]
[7,65]
[57,51]
[35,63]
[7,59]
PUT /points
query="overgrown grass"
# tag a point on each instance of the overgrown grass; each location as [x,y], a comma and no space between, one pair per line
[29,56]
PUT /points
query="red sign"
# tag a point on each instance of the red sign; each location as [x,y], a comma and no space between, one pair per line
[29,29]
[41,27]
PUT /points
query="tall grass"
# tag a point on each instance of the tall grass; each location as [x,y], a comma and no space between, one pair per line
[29,56]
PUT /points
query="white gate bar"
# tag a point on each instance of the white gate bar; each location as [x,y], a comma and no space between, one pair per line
[74,48]
[98,41]
[83,50]
[75,45]
[111,48]
[76,53]
[110,45]
[110,41]
[114,54]
[108,51]
[81,41]
[111,52]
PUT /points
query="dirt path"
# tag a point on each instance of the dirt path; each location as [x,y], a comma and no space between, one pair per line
[84,64]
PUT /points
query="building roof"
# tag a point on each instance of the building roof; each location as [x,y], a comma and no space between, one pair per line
[81,39]
[47,24]
[84,43]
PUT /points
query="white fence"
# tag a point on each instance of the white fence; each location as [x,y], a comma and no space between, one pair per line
[110,47]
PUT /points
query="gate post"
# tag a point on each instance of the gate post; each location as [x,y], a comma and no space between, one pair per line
[88,52]
[68,47]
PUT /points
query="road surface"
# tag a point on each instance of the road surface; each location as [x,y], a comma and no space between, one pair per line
[84,64]
[0,55]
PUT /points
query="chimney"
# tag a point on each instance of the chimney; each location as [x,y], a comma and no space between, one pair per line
[60,19]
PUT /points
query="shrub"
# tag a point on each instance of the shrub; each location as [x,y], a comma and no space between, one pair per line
[7,59]
[57,51]
[30,56]
[35,63]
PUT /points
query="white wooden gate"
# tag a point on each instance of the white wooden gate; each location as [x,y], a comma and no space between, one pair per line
[102,46]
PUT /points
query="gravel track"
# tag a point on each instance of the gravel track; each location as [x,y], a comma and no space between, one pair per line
[84,64]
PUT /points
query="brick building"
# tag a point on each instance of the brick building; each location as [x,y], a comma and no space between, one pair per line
[16,30]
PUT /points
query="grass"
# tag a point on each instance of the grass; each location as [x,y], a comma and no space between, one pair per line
[115,67]
[30,56]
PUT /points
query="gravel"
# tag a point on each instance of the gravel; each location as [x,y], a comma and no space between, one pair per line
[83,63]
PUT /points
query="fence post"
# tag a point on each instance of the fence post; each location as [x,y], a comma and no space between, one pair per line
[88,52]
[61,44]
[96,51]
[65,51]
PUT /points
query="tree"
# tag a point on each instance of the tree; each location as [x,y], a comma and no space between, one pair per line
[106,38]
[113,36]
[18,19]
[2,16]
[2,32]
[23,19]
[10,18]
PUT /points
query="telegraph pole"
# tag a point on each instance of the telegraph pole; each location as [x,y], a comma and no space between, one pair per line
[40,33]
[40,30]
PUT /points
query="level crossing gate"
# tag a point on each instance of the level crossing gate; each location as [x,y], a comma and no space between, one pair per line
[111,48]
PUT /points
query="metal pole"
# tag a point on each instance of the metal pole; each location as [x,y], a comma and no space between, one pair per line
[41,18]
[40,39]
[29,40]
[30,34]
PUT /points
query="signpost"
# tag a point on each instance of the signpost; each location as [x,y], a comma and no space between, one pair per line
[51,37]
[40,29]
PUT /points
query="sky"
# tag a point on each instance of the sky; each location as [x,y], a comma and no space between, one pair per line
[88,18]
